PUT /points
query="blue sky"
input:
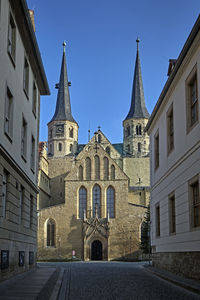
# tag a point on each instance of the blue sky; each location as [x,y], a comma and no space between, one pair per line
[101,52]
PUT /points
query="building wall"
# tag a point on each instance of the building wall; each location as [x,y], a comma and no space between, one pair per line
[138,170]
[18,173]
[176,168]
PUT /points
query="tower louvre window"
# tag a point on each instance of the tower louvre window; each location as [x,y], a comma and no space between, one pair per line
[139,147]
[138,129]
[71,132]
[128,131]
[59,146]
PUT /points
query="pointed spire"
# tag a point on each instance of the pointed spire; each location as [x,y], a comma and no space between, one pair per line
[138,108]
[63,106]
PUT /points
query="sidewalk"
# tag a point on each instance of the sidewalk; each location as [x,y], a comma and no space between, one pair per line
[42,283]
[189,284]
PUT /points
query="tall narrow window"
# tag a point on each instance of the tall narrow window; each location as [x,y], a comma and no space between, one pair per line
[82,202]
[106,168]
[88,168]
[26,76]
[99,138]
[71,148]
[31,211]
[158,220]
[24,138]
[139,147]
[50,149]
[8,122]
[59,146]
[128,131]
[11,38]
[172,214]
[108,150]
[170,130]
[128,149]
[110,202]
[4,194]
[21,204]
[192,99]
[34,104]
[156,151]
[97,167]
[80,173]
[32,154]
[96,200]
[71,132]
[195,203]
[51,233]
[138,129]
[112,172]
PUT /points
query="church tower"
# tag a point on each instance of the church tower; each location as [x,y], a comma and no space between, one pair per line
[135,139]
[62,129]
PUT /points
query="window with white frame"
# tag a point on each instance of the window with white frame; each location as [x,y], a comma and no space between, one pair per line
[194,198]
[157,220]
[192,99]
[11,38]
[172,214]
[8,122]
[24,138]
[170,129]
[156,151]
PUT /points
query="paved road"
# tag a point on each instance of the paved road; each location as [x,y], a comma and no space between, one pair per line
[116,281]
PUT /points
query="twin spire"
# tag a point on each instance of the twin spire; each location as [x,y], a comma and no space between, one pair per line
[138,108]
[63,106]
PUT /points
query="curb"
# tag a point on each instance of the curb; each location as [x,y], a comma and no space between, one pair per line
[57,285]
[179,281]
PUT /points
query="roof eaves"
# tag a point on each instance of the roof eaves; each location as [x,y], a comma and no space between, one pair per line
[182,55]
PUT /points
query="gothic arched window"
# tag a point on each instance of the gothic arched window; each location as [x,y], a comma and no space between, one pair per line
[51,232]
[112,172]
[82,202]
[99,138]
[97,167]
[106,168]
[88,168]
[96,200]
[59,146]
[108,150]
[139,147]
[71,132]
[80,175]
[110,198]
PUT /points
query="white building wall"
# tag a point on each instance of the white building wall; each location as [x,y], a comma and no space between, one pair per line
[177,168]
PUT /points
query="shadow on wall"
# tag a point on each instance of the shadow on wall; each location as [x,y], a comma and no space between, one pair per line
[75,238]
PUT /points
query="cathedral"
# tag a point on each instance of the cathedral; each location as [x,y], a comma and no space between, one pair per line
[93,197]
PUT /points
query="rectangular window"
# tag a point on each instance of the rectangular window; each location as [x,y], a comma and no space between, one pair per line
[11,38]
[195,203]
[170,130]
[34,104]
[172,214]
[31,211]
[26,76]
[8,122]
[24,138]
[4,193]
[156,150]
[158,220]
[192,99]
[21,204]
[32,154]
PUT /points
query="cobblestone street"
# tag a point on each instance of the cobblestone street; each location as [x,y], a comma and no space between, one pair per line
[117,281]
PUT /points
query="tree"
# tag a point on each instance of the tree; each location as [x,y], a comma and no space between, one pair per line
[145,233]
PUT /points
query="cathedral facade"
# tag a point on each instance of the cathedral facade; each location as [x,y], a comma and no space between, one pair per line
[93,197]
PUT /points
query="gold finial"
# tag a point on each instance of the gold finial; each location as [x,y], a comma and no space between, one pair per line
[64,45]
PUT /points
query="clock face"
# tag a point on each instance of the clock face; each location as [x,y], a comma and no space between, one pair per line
[60,129]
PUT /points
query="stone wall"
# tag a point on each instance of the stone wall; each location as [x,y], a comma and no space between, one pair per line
[181,263]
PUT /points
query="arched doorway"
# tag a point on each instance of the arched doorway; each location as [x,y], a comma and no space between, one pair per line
[96,250]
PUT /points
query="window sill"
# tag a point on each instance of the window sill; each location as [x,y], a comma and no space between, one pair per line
[23,157]
[8,136]
[26,93]
[12,59]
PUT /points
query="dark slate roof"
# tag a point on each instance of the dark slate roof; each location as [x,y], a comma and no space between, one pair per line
[63,106]
[138,108]
[119,148]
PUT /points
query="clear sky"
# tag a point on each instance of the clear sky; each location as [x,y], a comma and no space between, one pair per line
[101,52]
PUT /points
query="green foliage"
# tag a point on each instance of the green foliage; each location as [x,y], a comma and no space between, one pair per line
[145,233]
